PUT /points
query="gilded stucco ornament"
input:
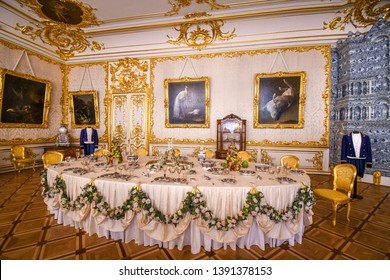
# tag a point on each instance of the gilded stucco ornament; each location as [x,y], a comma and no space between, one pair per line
[178,4]
[62,25]
[362,14]
[199,33]
[317,160]
[129,75]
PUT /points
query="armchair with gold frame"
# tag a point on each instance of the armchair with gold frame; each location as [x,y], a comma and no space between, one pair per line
[20,156]
[343,180]
[101,152]
[51,157]
[290,160]
[209,153]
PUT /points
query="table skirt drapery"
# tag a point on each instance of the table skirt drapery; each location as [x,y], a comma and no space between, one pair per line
[222,200]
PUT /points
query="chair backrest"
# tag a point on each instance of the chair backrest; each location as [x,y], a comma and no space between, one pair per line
[244,155]
[209,153]
[18,152]
[141,151]
[344,177]
[177,152]
[51,157]
[290,160]
[101,152]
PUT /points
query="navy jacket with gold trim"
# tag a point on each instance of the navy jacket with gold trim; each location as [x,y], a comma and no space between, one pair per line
[348,151]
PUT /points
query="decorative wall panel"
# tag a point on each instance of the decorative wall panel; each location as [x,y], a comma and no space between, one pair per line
[232,91]
[128,102]
[16,59]
[87,78]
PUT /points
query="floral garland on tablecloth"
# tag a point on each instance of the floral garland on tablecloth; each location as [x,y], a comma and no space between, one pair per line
[194,203]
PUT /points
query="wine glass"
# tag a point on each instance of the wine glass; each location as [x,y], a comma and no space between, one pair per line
[164,167]
[120,168]
[115,163]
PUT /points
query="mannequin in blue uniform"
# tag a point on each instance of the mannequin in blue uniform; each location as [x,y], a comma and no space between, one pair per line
[356,150]
[89,140]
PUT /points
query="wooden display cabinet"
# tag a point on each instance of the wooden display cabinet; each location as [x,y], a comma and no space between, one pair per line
[231,130]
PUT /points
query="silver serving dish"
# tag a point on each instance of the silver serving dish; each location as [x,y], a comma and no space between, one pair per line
[228,180]
[218,171]
[247,172]
[153,164]
[262,167]
[163,179]
[285,180]
[208,164]
[132,158]
[297,171]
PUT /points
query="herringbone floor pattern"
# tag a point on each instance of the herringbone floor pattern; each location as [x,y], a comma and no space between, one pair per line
[28,231]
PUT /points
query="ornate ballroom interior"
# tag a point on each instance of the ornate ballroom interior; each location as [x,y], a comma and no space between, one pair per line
[125,55]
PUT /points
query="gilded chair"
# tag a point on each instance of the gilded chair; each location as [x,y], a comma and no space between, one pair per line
[209,153]
[289,160]
[51,157]
[20,156]
[177,152]
[244,156]
[142,152]
[343,180]
[101,152]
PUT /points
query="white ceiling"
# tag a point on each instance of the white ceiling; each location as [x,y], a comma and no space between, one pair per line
[140,28]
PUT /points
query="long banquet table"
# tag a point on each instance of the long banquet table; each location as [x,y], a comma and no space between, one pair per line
[224,200]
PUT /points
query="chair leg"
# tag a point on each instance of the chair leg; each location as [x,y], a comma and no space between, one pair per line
[348,210]
[334,207]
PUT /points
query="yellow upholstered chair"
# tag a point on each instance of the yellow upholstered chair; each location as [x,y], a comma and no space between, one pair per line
[244,155]
[101,152]
[209,153]
[177,152]
[20,156]
[343,180]
[142,152]
[289,160]
[51,157]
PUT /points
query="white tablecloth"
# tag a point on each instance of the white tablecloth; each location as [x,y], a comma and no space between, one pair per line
[222,199]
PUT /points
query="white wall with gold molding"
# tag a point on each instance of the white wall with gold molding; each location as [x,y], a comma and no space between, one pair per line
[232,89]
[86,78]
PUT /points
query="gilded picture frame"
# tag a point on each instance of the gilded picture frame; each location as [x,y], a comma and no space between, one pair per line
[84,109]
[279,100]
[24,100]
[187,102]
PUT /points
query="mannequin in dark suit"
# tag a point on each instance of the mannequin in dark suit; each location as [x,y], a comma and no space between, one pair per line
[356,149]
[89,140]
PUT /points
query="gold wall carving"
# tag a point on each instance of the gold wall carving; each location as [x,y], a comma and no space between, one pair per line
[178,4]
[60,29]
[200,33]
[265,157]
[362,14]
[317,160]
[129,75]
[120,134]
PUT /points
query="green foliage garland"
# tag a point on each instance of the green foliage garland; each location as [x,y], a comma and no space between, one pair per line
[194,203]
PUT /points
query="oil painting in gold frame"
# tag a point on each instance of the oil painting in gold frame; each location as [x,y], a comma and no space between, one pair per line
[24,100]
[279,100]
[187,102]
[84,109]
